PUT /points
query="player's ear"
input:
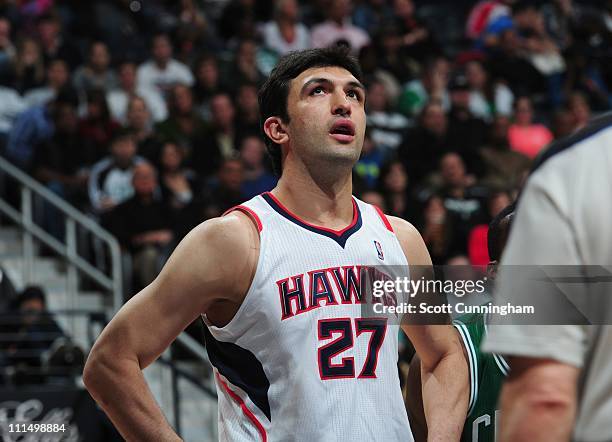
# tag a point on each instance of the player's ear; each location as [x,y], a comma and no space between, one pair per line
[275,129]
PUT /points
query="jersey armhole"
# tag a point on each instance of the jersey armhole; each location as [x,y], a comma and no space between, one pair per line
[249,212]
[384,219]
[472,362]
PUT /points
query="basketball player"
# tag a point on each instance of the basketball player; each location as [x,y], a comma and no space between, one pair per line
[276,282]
[487,370]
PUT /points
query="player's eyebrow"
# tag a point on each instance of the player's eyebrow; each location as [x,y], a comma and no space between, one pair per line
[320,80]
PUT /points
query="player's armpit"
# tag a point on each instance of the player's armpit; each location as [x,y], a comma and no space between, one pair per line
[538,400]
[215,262]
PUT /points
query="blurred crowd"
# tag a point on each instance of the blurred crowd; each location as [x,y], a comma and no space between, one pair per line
[145,115]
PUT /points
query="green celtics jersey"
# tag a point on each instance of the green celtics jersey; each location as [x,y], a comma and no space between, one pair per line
[487,372]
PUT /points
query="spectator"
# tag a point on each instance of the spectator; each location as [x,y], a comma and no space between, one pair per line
[483,14]
[424,145]
[11,105]
[477,239]
[237,20]
[225,133]
[247,107]
[285,33]
[257,179]
[186,128]
[462,197]
[34,333]
[34,126]
[579,107]
[560,16]
[487,98]
[207,84]
[96,74]
[162,72]
[62,165]
[432,86]
[54,45]
[386,127]
[225,191]
[62,161]
[503,167]
[375,198]
[370,162]
[371,65]
[110,181]
[507,62]
[178,184]
[563,123]
[372,15]
[416,39]
[119,97]
[57,77]
[439,232]
[29,66]
[140,124]
[7,51]
[467,132]
[540,49]
[393,185]
[97,126]
[244,68]
[524,135]
[143,225]
[338,28]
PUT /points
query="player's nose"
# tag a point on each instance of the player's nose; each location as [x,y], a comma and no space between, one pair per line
[341,104]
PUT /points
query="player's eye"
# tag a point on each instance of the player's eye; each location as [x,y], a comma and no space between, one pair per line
[352,93]
[317,90]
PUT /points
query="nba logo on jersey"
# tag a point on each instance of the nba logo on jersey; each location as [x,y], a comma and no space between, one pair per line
[379,250]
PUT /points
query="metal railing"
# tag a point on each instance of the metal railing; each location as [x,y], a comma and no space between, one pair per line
[73,219]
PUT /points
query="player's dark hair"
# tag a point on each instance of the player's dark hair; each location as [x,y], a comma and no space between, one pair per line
[274,92]
[499,229]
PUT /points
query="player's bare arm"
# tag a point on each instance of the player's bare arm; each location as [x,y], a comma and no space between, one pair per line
[444,370]
[414,399]
[209,272]
[538,400]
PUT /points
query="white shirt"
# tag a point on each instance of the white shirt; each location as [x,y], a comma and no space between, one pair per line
[118,101]
[274,40]
[39,96]
[328,33]
[150,75]
[11,105]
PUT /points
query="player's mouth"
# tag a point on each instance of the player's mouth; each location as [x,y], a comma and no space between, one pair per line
[343,131]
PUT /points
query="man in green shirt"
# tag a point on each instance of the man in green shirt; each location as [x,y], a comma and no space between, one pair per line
[487,370]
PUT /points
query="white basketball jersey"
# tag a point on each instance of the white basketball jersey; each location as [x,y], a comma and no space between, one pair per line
[299,362]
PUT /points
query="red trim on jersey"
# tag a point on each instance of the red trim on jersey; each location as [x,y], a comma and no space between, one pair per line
[326,229]
[249,414]
[247,211]
[384,219]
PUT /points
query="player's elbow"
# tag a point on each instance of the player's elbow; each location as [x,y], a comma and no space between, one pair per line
[101,368]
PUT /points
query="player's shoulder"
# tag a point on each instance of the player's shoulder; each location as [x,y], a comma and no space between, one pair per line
[411,241]
[230,232]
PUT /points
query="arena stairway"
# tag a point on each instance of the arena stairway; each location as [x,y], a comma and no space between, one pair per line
[198,411]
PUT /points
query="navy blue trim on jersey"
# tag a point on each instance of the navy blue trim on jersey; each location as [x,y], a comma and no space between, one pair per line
[592,128]
[340,237]
[240,367]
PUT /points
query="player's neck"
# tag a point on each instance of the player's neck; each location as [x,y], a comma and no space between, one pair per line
[317,201]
